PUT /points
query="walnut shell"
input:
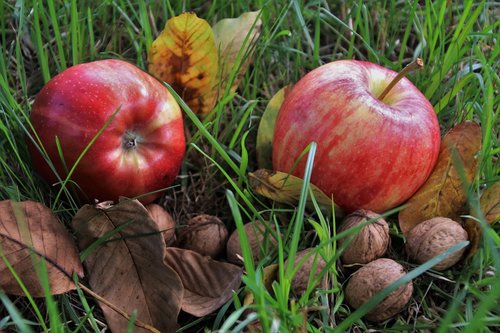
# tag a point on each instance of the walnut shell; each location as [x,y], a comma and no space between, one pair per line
[165,222]
[205,234]
[258,236]
[370,243]
[432,237]
[301,278]
[372,278]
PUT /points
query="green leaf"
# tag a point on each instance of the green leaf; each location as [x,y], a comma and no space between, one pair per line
[265,132]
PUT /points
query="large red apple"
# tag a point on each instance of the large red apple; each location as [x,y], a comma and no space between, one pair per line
[371,153]
[142,144]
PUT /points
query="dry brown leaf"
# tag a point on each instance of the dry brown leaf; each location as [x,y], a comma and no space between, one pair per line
[286,188]
[443,194]
[208,283]
[127,268]
[28,228]
[230,35]
[490,207]
[185,56]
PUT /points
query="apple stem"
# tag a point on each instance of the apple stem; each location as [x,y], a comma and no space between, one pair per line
[417,64]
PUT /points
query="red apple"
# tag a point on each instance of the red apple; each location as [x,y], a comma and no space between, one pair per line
[139,151]
[372,154]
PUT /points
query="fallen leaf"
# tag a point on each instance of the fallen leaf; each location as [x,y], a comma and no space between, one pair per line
[270,274]
[265,133]
[490,203]
[208,283]
[285,188]
[126,265]
[233,37]
[443,194]
[30,231]
[185,56]
[490,207]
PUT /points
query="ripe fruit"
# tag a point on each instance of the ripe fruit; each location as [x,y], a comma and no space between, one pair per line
[141,146]
[372,153]
[432,237]
[370,243]
[374,277]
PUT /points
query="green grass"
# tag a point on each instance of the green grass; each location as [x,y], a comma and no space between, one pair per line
[457,41]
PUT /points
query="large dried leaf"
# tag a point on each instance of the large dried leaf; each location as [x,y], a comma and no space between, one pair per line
[208,283]
[30,231]
[236,37]
[265,133]
[286,188]
[185,56]
[126,267]
[443,193]
[490,207]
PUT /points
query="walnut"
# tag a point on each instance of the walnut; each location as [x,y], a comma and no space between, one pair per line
[432,237]
[205,234]
[372,278]
[301,278]
[259,236]
[370,243]
[165,222]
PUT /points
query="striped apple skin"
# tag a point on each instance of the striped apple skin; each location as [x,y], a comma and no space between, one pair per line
[371,154]
[138,126]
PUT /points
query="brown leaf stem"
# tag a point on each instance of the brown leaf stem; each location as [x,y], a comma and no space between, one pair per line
[101,299]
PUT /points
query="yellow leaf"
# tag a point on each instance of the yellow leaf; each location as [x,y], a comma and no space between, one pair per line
[490,206]
[443,193]
[265,132]
[234,37]
[285,188]
[269,276]
[185,56]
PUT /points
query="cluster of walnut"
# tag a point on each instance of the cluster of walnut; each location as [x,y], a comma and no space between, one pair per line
[208,235]
[205,234]
[365,243]
[370,242]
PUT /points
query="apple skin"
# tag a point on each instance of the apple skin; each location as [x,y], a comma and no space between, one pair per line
[141,149]
[371,154]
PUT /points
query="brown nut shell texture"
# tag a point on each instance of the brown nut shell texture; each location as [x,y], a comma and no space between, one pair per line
[205,234]
[370,243]
[302,277]
[259,237]
[373,278]
[434,236]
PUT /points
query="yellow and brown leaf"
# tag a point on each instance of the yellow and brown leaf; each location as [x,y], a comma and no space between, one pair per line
[185,56]
[285,188]
[443,193]
[490,207]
